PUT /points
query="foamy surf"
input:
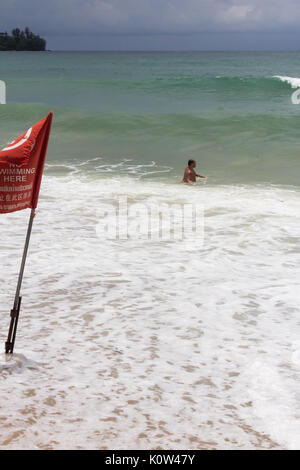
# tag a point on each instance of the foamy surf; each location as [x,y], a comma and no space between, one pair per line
[144,345]
[293,81]
[16,363]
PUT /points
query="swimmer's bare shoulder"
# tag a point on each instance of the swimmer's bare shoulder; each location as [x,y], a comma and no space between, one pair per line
[187,177]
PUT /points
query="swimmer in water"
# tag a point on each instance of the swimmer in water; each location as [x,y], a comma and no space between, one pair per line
[189,173]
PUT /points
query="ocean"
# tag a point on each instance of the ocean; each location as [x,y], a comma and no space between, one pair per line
[143,343]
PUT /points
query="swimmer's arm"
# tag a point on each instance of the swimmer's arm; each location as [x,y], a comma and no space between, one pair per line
[200,176]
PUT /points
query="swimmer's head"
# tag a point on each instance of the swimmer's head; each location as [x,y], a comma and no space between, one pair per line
[192,163]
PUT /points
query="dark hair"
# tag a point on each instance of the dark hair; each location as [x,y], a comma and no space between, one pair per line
[190,162]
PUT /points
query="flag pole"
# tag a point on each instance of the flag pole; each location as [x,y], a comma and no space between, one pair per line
[10,343]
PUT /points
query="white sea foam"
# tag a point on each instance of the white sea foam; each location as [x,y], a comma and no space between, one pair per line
[293,81]
[134,344]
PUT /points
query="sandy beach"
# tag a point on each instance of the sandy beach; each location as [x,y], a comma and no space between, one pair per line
[114,352]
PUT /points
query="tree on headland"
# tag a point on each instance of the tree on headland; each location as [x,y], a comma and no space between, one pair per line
[20,40]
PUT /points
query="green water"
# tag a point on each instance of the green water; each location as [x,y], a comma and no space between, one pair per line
[226,110]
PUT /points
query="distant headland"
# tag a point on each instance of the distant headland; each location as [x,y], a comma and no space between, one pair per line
[20,40]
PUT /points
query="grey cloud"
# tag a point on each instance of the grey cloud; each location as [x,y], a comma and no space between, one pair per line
[149,16]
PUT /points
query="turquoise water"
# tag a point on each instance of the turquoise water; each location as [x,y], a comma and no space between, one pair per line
[226,110]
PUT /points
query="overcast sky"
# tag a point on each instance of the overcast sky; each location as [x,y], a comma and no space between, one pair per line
[158,24]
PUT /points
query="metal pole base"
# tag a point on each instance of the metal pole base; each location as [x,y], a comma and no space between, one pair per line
[10,343]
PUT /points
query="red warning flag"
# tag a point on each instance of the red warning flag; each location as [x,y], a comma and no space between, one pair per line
[21,168]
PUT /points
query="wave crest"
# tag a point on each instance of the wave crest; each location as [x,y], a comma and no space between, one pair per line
[293,81]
